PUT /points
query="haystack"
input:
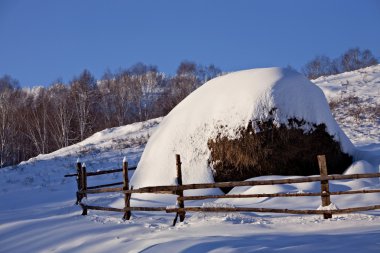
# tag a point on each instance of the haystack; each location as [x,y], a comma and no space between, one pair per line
[270,121]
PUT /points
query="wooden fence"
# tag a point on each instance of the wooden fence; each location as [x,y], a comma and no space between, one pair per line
[181,209]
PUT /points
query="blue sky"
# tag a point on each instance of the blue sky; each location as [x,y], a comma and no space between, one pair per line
[42,40]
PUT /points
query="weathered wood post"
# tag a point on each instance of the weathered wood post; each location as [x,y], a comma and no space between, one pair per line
[84,186]
[79,181]
[180,201]
[127,196]
[325,193]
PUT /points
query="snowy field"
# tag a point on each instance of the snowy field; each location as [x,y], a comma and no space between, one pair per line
[38,211]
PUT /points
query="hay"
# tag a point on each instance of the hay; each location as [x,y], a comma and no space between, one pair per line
[275,150]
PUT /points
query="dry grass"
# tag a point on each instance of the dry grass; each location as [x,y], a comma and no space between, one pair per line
[275,151]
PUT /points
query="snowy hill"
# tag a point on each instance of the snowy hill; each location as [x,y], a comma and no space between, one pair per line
[37,211]
[103,150]
[355,97]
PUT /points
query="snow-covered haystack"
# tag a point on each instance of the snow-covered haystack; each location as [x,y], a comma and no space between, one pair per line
[245,124]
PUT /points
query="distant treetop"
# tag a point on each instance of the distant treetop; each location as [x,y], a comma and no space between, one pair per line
[352,59]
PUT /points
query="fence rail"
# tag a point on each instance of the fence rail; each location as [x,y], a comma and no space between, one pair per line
[104,185]
[96,173]
[274,195]
[271,210]
[178,190]
[174,188]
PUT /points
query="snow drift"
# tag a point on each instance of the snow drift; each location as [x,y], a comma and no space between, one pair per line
[233,101]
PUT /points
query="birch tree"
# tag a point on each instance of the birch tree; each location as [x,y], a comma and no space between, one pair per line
[62,113]
[84,94]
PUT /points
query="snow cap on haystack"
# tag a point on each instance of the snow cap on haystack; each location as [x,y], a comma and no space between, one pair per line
[233,100]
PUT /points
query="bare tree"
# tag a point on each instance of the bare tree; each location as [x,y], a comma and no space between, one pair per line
[355,58]
[352,59]
[84,94]
[144,86]
[62,112]
[120,98]
[185,82]
[42,119]
[319,66]
[6,112]
[106,109]
[206,73]
[13,144]
[7,83]
[37,120]
[187,68]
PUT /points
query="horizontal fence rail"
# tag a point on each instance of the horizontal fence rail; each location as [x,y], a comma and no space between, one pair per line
[96,173]
[174,188]
[122,210]
[104,185]
[274,195]
[180,209]
[233,209]
[270,210]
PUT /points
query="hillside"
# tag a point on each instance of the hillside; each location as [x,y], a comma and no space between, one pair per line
[38,213]
[103,150]
[355,100]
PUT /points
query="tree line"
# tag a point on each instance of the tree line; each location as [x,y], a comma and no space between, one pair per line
[352,59]
[43,119]
[40,120]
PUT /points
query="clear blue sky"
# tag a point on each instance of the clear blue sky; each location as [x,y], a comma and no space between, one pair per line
[42,40]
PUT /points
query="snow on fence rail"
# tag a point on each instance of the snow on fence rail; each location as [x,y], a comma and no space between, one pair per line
[181,210]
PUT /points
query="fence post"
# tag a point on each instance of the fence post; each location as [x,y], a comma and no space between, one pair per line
[127,196]
[84,186]
[181,203]
[79,181]
[325,193]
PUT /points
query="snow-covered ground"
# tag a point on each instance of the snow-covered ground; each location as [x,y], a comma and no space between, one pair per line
[355,92]
[38,214]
